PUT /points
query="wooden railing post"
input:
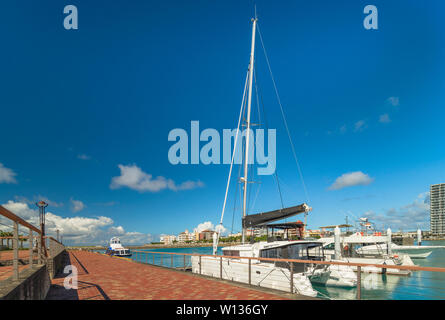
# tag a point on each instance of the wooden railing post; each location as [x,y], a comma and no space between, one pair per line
[291,277]
[184,262]
[171,262]
[162,262]
[250,272]
[153,256]
[359,283]
[31,244]
[220,267]
[199,264]
[15,246]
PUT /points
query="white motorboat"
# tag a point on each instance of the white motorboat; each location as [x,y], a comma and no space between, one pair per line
[417,252]
[116,248]
[349,249]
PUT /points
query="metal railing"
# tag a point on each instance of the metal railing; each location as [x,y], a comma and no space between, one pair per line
[183,261]
[55,247]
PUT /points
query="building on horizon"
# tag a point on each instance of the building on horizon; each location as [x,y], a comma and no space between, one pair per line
[186,236]
[206,234]
[167,239]
[437,208]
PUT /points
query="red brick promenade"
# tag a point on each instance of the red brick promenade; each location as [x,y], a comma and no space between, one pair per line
[101,277]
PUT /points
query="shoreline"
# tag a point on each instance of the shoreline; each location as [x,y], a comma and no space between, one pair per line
[161,246]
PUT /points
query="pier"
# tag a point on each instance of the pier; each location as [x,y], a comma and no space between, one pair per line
[101,277]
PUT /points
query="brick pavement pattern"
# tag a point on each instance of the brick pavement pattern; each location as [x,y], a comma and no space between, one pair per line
[101,277]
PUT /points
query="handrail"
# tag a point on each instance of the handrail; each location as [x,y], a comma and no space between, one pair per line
[383,266]
[8,214]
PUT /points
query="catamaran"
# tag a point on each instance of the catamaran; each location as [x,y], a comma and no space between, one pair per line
[275,275]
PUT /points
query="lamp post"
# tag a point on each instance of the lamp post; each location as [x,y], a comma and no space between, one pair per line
[42,205]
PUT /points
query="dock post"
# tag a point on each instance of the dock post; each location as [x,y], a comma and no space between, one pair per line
[184,262]
[171,262]
[199,264]
[161,260]
[30,240]
[15,246]
[291,278]
[220,267]
[359,282]
[250,272]
[146,258]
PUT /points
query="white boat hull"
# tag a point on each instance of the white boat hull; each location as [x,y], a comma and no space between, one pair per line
[262,274]
[337,276]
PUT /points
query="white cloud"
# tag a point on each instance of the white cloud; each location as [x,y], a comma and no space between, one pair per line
[384,118]
[351,179]
[408,217]
[77,205]
[7,175]
[134,178]
[360,125]
[394,101]
[83,157]
[78,230]
[209,226]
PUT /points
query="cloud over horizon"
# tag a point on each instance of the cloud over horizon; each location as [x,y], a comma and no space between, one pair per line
[134,178]
[408,217]
[350,179]
[77,230]
[7,175]
[77,205]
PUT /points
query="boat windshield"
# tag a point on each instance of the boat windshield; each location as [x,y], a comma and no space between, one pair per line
[298,251]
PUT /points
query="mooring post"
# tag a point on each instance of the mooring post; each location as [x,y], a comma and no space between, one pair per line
[199,264]
[153,256]
[359,282]
[31,241]
[184,262]
[250,272]
[220,267]
[15,246]
[291,277]
[146,258]
[162,262]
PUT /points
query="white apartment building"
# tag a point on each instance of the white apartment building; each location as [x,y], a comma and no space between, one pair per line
[186,236]
[437,208]
[168,239]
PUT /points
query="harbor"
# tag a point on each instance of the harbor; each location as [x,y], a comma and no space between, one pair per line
[245,154]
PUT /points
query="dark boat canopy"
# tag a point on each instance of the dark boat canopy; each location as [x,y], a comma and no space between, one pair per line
[262,219]
[285,226]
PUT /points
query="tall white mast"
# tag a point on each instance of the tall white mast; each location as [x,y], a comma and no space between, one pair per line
[249,102]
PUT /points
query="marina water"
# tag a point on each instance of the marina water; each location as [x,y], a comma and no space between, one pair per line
[420,285]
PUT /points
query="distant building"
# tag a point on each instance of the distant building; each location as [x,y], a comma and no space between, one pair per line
[168,239]
[186,236]
[437,209]
[239,234]
[206,234]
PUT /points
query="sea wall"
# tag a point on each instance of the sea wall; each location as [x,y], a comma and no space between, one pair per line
[33,284]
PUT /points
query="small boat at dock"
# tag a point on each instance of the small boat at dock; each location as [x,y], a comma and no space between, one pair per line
[116,248]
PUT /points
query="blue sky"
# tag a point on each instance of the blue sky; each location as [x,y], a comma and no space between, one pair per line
[76,104]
